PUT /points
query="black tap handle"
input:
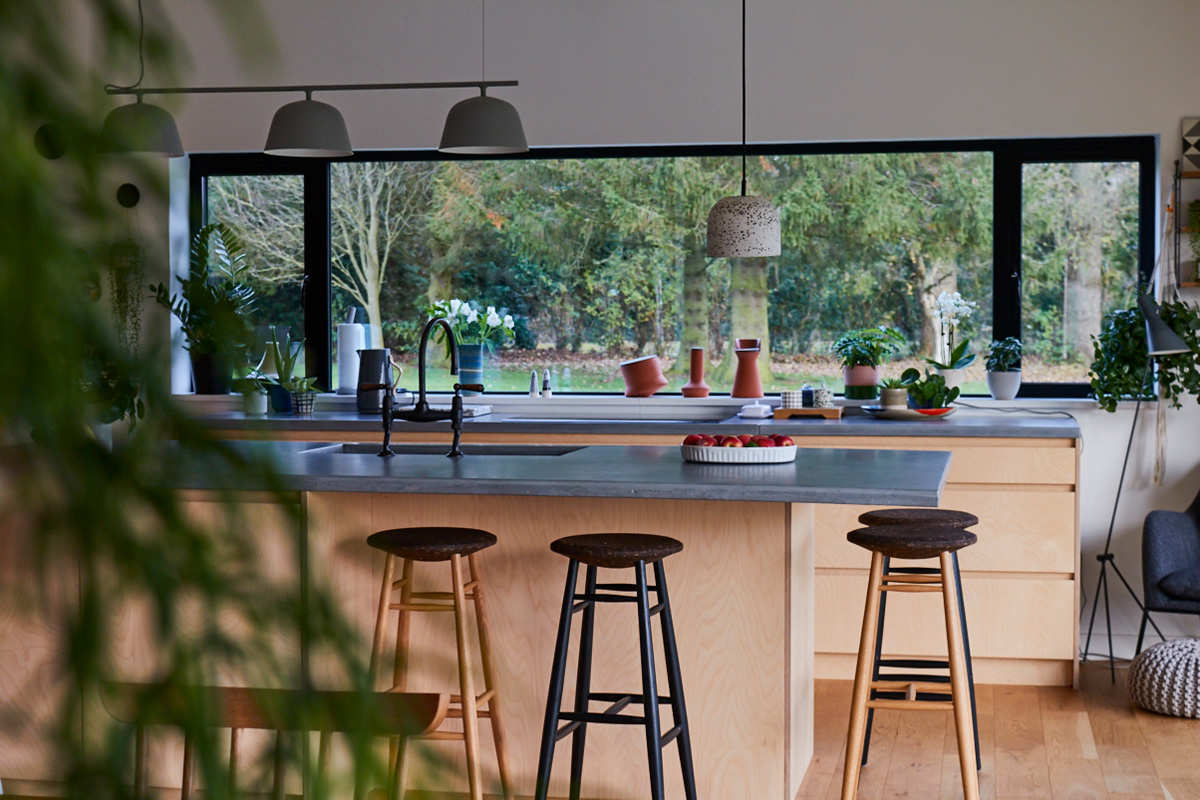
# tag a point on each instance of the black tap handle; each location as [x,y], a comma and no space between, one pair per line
[386,414]
[468,387]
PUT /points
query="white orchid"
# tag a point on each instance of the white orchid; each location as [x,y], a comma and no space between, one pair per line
[949,310]
[508,322]
[455,305]
[472,315]
[493,319]
[472,326]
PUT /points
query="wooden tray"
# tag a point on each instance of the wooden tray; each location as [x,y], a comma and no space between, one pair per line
[827,413]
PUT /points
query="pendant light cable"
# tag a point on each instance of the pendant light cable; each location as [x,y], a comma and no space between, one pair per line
[743,98]
[109,87]
[483,42]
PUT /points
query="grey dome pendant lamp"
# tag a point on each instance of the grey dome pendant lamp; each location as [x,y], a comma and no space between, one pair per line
[743,226]
[308,129]
[483,125]
[140,128]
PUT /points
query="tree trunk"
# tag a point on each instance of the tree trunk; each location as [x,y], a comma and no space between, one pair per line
[1082,280]
[748,315]
[932,278]
[694,327]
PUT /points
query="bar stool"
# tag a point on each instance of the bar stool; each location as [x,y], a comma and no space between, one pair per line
[616,551]
[441,544]
[920,516]
[910,542]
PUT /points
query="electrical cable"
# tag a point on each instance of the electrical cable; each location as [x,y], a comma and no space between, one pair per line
[141,57]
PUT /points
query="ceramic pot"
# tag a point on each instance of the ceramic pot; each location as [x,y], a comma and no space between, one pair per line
[304,402]
[953,377]
[696,387]
[1004,385]
[746,381]
[211,373]
[281,399]
[254,403]
[749,344]
[470,365]
[893,398]
[643,376]
[862,383]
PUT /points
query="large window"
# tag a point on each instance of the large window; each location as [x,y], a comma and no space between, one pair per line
[599,254]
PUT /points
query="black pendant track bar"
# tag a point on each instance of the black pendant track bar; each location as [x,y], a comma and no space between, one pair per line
[314,87]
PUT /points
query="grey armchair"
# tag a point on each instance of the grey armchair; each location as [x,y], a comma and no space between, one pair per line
[1171,563]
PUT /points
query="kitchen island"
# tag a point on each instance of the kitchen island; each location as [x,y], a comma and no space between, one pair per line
[742,589]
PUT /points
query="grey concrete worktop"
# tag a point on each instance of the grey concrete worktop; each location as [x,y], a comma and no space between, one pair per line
[964,423]
[868,477]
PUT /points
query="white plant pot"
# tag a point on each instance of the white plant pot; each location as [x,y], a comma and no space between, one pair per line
[893,398]
[254,403]
[953,377]
[1004,385]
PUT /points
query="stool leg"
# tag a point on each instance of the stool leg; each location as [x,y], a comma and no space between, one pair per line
[862,681]
[958,678]
[649,687]
[887,562]
[403,625]
[489,679]
[675,684]
[962,616]
[381,615]
[465,680]
[557,671]
[1142,631]
[583,684]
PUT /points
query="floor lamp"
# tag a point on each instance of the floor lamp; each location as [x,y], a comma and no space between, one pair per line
[1160,341]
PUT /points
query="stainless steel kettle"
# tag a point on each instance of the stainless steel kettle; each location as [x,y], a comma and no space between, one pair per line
[375,379]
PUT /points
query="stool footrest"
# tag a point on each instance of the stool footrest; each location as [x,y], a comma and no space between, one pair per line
[932,697]
[902,686]
[624,587]
[904,577]
[904,705]
[419,607]
[914,663]
[616,698]
[910,587]
[915,677]
[670,735]
[601,717]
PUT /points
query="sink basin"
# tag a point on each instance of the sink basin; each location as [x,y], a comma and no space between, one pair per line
[498,449]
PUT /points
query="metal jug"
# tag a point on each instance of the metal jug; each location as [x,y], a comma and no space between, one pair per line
[375,379]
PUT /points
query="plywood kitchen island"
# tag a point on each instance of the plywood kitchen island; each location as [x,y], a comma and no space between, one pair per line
[742,589]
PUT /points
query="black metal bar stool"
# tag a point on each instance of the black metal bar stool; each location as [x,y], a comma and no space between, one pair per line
[920,516]
[910,542]
[454,545]
[616,551]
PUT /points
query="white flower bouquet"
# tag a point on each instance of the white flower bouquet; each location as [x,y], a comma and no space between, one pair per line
[472,326]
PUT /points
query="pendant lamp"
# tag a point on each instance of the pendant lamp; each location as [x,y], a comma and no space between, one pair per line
[308,129]
[1161,340]
[743,226]
[142,129]
[483,125]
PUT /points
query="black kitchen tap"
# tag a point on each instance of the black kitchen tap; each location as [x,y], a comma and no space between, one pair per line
[421,411]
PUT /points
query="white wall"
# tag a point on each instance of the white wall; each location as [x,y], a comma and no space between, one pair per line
[666,71]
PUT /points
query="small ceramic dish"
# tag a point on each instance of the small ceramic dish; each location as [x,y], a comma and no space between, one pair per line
[908,413]
[738,455]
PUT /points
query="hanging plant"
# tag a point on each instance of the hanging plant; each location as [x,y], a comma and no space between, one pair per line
[1193,224]
[1119,365]
[125,279]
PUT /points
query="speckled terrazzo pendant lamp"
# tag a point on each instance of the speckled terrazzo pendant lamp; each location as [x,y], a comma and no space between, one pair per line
[743,226]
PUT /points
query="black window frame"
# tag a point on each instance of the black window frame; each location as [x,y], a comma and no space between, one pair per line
[1009,155]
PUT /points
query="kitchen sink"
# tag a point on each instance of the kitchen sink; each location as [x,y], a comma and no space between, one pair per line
[498,449]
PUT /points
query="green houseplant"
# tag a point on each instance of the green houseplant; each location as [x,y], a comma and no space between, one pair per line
[861,352]
[1120,355]
[893,393]
[289,392]
[1004,368]
[929,392]
[212,306]
[253,388]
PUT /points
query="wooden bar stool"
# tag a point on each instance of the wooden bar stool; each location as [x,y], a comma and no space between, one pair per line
[910,542]
[441,544]
[616,551]
[920,516]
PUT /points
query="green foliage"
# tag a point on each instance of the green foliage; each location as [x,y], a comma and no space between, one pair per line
[892,383]
[1120,356]
[214,303]
[285,356]
[1004,355]
[868,347]
[930,392]
[111,386]
[1193,221]
[960,357]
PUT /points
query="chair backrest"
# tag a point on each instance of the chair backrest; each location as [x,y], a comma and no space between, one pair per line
[1193,510]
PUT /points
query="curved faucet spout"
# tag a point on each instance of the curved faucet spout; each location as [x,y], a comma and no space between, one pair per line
[425,334]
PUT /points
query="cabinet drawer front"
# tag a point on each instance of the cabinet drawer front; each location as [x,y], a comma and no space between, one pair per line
[1007,618]
[1018,532]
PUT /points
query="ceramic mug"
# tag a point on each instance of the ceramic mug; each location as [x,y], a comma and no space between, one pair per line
[822,397]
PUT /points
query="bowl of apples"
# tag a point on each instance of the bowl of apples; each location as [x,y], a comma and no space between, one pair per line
[741,449]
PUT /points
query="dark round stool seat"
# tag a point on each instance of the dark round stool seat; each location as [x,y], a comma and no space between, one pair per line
[945,517]
[616,550]
[431,544]
[912,541]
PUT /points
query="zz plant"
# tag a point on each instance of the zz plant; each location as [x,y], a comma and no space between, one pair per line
[1120,355]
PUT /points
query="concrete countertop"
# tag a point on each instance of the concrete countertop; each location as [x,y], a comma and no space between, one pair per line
[866,477]
[856,423]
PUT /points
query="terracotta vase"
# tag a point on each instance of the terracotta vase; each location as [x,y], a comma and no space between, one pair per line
[696,387]
[749,344]
[643,376]
[746,381]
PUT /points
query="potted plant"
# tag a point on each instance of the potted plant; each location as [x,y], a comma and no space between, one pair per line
[1120,355]
[253,388]
[1004,368]
[861,353]
[473,331]
[930,392]
[290,394]
[893,393]
[950,311]
[212,306]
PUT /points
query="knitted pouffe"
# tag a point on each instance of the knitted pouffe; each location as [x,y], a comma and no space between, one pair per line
[1166,678]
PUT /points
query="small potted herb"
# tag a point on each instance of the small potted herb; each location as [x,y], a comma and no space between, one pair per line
[956,356]
[1004,368]
[893,393]
[861,353]
[253,389]
[930,392]
[289,392]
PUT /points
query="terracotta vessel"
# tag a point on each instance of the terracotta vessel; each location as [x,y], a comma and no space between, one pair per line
[749,344]
[643,376]
[696,387]
[746,381]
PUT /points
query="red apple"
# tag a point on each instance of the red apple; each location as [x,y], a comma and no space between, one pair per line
[782,441]
[731,441]
[762,441]
[745,437]
[709,441]
[694,440]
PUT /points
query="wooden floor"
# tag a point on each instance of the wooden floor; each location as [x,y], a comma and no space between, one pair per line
[1036,741]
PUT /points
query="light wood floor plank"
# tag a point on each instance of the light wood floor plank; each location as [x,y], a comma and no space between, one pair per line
[1068,736]
[1077,779]
[1129,770]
